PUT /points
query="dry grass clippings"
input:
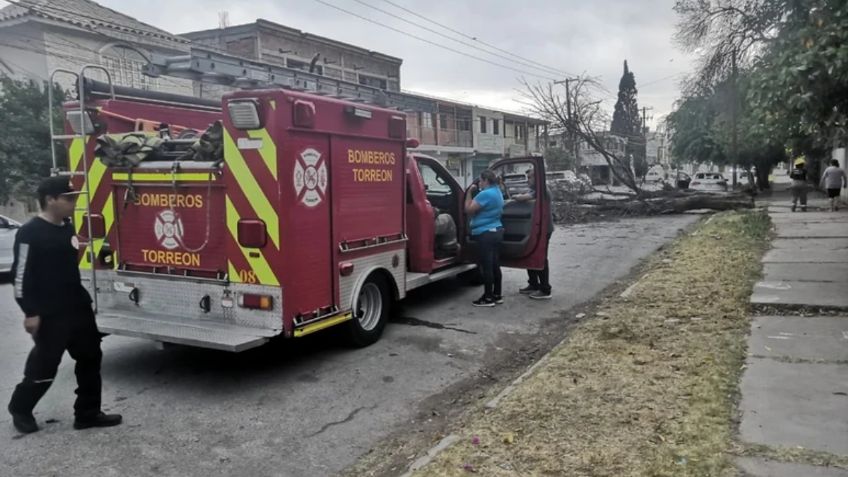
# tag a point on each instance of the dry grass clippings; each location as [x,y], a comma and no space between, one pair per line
[645,386]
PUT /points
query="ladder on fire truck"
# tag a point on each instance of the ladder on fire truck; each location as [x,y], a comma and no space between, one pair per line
[213,67]
[81,130]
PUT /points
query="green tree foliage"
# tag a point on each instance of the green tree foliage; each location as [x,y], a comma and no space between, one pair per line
[795,57]
[800,85]
[25,156]
[627,122]
[702,131]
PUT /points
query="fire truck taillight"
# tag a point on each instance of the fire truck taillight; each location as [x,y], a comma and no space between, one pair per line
[256,302]
[244,114]
[251,233]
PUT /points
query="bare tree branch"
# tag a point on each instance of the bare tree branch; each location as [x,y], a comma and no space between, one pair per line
[588,123]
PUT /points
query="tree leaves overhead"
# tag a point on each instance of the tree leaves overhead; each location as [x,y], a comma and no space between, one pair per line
[792,89]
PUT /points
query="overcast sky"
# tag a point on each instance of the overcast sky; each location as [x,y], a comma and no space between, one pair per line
[571,36]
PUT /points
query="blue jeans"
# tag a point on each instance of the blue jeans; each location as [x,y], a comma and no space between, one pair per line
[489,244]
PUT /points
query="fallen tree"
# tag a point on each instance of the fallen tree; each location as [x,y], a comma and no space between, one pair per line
[583,209]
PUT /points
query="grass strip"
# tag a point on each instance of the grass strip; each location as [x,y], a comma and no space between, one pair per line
[644,386]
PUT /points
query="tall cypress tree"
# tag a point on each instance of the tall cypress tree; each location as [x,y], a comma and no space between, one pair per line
[626,121]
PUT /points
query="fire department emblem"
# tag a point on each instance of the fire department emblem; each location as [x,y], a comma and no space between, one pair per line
[169,229]
[310,177]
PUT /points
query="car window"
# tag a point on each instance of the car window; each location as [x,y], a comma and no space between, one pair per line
[699,176]
[432,181]
[4,224]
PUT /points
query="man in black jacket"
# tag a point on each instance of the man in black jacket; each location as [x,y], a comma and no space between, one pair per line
[538,281]
[57,311]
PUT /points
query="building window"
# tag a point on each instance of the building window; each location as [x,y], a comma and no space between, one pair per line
[443,121]
[483,122]
[463,124]
[496,127]
[126,64]
[303,66]
[372,81]
[519,132]
[427,120]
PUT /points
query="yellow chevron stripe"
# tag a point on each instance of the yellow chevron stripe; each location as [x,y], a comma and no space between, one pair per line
[260,204]
[108,213]
[268,151]
[75,152]
[164,176]
[95,175]
[258,263]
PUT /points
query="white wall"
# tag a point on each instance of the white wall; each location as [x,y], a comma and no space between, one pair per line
[488,142]
[839,155]
[19,53]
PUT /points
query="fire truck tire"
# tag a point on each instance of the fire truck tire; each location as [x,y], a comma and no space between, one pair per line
[370,313]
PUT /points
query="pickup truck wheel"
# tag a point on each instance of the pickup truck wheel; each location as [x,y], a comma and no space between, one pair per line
[370,312]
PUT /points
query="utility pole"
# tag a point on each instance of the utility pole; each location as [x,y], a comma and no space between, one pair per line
[572,144]
[734,138]
[645,119]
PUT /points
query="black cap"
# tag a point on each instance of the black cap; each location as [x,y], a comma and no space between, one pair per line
[56,186]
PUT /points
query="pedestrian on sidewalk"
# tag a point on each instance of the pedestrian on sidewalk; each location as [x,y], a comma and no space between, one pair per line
[57,310]
[538,282]
[798,175]
[487,230]
[833,180]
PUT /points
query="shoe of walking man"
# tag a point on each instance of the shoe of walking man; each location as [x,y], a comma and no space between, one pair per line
[57,311]
[538,281]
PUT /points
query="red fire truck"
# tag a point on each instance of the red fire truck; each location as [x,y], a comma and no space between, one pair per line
[316,215]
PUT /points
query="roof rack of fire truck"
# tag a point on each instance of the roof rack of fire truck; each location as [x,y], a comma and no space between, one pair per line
[219,68]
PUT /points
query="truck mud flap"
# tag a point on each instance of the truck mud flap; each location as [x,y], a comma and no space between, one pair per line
[204,334]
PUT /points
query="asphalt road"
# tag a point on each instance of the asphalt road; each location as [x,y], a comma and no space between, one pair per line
[311,407]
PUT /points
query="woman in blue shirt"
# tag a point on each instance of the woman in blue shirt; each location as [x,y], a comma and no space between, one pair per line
[486,229]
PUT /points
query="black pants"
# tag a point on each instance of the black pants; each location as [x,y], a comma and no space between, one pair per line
[540,279]
[77,333]
[489,261]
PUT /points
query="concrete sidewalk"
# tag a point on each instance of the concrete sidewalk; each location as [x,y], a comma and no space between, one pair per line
[795,385]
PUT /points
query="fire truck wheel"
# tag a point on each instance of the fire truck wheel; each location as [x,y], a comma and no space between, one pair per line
[370,313]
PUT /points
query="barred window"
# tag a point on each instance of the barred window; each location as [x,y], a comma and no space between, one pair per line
[126,65]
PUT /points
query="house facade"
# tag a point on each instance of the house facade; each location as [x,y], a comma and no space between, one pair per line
[39,36]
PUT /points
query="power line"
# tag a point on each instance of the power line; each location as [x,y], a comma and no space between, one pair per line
[661,79]
[554,70]
[544,69]
[432,42]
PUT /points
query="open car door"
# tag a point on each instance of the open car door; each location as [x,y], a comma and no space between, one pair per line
[525,242]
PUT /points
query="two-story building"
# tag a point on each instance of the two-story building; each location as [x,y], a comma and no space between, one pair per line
[279,45]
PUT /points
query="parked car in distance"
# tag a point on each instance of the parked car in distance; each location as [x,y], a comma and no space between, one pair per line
[8,230]
[569,180]
[709,182]
[655,175]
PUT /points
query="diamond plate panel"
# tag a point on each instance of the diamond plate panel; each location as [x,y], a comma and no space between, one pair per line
[180,297]
[364,265]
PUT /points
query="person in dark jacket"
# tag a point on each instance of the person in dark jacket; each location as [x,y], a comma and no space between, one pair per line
[538,282]
[57,310]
